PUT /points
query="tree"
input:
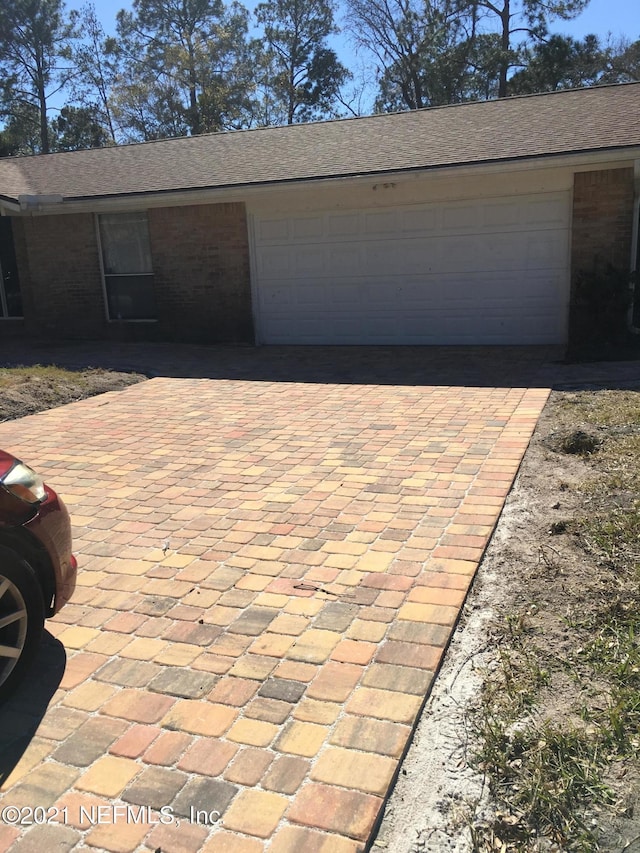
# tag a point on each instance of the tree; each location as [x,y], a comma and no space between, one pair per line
[562,62]
[524,19]
[231,72]
[21,134]
[34,35]
[624,66]
[419,49]
[96,71]
[182,66]
[78,127]
[145,107]
[430,52]
[303,76]
[167,37]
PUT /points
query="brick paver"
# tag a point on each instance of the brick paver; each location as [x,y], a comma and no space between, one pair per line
[270,572]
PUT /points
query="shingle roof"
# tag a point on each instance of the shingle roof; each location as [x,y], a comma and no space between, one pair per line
[532,126]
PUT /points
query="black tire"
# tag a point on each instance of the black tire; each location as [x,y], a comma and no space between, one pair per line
[21,619]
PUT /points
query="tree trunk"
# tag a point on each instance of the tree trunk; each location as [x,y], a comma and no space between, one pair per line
[505,18]
[42,108]
[194,112]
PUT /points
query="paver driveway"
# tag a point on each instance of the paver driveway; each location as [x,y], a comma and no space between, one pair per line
[269,575]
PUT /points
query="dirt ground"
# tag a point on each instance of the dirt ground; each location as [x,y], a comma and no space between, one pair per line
[28,390]
[537,581]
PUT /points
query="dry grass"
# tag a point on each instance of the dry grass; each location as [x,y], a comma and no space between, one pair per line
[25,390]
[564,776]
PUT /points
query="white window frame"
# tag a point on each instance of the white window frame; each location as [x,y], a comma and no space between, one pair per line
[104,276]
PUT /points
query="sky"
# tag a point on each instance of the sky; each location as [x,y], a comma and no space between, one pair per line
[601,17]
[619,17]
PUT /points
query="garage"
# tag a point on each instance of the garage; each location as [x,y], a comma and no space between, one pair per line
[490,271]
[469,224]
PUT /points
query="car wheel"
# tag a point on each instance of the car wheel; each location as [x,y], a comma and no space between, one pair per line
[21,618]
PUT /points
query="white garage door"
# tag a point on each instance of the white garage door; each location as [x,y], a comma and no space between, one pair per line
[481,272]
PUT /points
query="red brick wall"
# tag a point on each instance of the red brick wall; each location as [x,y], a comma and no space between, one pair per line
[601,237]
[602,218]
[201,273]
[201,264]
[201,276]
[60,275]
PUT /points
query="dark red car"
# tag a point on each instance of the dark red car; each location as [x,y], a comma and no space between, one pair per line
[37,568]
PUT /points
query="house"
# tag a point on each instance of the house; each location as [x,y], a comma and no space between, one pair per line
[462,224]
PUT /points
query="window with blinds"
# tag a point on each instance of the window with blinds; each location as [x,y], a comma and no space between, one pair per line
[126,265]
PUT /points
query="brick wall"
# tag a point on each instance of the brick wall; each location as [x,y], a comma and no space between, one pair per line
[602,218]
[201,276]
[601,234]
[201,273]
[60,275]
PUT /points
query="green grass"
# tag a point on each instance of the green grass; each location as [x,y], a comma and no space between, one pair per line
[549,778]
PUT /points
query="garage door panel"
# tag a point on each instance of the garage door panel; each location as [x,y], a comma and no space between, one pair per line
[501,215]
[458,254]
[381,222]
[344,260]
[500,252]
[422,293]
[380,294]
[343,225]
[273,229]
[547,249]
[542,284]
[310,296]
[307,227]
[307,260]
[422,220]
[418,257]
[490,271]
[346,294]
[274,297]
[381,257]
[548,212]
[273,263]
[460,217]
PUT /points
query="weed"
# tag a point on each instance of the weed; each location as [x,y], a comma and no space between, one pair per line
[548,778]
[10,376]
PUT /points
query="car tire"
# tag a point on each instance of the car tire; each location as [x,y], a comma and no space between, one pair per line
[21,619]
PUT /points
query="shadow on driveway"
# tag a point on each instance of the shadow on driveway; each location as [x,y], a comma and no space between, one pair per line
[473,366]
[22,713]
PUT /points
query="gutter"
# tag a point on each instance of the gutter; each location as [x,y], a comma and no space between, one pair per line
[29,203]
[39,203]
[50,204]
[8,205]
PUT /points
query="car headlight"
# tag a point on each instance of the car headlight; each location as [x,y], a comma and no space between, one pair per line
[24,483]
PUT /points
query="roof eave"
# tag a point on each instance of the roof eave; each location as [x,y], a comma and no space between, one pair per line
[9,205]
[186,195]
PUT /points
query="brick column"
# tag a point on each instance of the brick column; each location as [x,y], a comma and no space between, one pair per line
[60,276]
[601,236]
[201,273]
[602,218]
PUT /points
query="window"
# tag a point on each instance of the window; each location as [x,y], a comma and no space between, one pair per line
[10,298]
[126,264]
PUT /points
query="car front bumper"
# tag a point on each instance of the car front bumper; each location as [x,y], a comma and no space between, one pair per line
[52,528]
